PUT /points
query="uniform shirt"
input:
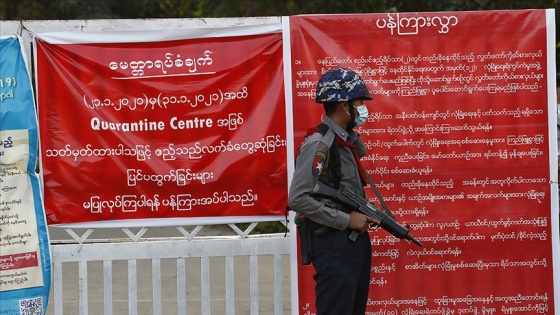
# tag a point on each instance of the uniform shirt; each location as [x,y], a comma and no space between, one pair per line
[312,157]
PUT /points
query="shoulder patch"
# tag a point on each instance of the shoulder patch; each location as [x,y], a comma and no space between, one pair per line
[319,163]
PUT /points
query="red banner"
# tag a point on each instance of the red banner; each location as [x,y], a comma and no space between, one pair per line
[458,145]
[185,127]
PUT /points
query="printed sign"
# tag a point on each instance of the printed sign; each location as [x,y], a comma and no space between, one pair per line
[177,126]
[25,271]
[458,145]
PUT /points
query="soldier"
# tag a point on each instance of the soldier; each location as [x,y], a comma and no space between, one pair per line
[328,154]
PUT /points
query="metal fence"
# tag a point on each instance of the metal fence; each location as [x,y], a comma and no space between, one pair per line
[165,274]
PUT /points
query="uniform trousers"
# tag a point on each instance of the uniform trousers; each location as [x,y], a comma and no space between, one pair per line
[342,273]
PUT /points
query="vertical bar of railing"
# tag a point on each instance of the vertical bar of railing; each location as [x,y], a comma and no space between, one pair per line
[278,306]
[132,288]
[254,283]
[107,287]
[156,286]
[230,286]
[83,287]
[181,287]
[57,288]
[205,284]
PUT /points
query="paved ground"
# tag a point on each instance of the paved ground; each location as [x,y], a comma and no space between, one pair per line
[169,296]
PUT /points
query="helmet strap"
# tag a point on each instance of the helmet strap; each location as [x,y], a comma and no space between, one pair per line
[352,122]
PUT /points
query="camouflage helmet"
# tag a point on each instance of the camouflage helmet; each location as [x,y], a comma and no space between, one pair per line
[341,85]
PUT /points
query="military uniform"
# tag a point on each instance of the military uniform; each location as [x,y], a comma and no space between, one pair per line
[342,266]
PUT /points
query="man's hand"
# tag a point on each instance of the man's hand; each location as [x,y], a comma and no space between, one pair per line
[360,222]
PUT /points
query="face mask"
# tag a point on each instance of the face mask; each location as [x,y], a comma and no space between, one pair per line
[362,115]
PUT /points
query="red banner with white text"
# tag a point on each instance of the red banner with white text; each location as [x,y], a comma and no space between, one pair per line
[162,124]
[458,143]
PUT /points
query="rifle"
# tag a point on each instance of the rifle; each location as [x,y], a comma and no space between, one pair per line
[353,199]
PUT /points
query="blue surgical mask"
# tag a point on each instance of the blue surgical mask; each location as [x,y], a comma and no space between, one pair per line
[362,115]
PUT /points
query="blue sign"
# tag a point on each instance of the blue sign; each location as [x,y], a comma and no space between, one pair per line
[25,264]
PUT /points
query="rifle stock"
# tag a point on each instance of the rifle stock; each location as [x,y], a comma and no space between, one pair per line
[351,198]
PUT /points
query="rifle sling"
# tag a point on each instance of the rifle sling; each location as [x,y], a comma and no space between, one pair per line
[383,204]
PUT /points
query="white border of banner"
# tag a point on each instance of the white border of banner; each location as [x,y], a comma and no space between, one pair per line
[158,222]
[553,153]
[156,36]
[294,290]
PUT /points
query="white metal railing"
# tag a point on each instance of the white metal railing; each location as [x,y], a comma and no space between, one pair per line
[240,274]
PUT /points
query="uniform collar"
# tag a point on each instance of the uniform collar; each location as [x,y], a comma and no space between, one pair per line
[343,134]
